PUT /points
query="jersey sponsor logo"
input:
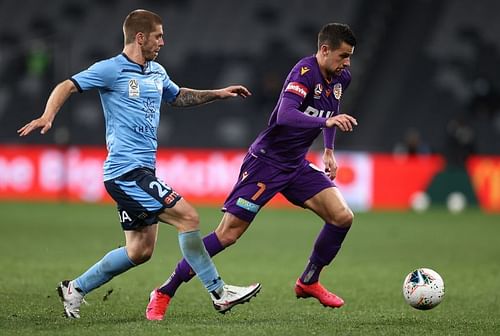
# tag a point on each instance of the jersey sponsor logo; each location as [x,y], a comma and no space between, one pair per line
[297,88]
[304,70]
[328,92]
[171,197]
[244,176]
[145,129]
[337,91]
[314,112]
[247,205]
[318,89]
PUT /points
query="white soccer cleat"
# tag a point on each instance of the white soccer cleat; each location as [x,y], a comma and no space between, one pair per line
[71,298]
[232,296]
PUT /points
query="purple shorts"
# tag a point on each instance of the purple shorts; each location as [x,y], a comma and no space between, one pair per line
[259,181]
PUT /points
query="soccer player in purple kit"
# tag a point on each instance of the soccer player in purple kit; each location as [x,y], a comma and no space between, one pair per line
[276,163]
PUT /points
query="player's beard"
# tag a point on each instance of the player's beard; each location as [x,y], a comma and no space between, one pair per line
[331,73]
[336,72]
[149,54]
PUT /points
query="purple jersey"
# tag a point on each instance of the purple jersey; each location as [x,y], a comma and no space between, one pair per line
[286,146]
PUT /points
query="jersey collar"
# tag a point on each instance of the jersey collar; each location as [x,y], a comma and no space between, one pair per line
[143,67]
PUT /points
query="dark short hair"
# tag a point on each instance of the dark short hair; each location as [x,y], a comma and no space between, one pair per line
[333,34]
[139,21]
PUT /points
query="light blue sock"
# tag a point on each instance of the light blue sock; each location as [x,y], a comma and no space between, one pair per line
[112,264]
[197,257]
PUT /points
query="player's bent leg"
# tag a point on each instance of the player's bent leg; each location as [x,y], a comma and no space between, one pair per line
[139,248]
[183,216]
[140,243]
[160,297]
[331,206]
[230,229]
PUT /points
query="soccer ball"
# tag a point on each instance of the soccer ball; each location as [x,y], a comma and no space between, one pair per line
[423,289]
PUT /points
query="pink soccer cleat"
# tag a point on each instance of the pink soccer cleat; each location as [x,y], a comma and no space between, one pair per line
[157,306]
[319,292]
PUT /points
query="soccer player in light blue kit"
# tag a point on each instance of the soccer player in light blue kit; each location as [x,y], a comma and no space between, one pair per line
[131,86]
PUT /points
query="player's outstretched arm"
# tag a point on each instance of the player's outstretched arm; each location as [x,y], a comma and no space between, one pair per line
[56,100]
[344,122]
[191,97]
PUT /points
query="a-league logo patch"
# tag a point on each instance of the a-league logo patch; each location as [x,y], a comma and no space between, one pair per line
[318,89]
[133,88]
[337,91]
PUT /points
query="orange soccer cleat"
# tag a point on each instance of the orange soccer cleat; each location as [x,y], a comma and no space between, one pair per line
[319,292]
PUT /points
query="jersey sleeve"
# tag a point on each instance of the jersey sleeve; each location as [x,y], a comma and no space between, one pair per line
[170,90]
[289,115]
[298,83]
[101,75]
[329,136]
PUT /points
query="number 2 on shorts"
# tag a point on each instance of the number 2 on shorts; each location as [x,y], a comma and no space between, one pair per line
[259,192]
[162,188]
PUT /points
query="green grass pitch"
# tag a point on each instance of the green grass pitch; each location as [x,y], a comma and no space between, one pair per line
[41,244]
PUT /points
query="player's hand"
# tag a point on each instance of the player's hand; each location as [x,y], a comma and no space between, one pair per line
[42,123]
[344,122]
[330,164]
[234,91]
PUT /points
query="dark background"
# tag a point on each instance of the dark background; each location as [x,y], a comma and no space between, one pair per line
[425,73]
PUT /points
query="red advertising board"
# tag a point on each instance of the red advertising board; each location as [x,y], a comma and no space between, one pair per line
[205,177]
[398,178]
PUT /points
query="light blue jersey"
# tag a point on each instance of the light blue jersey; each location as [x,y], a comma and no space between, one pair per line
[131,96]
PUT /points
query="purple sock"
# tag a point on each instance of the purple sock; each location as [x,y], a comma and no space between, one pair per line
[183,272]
[327,245]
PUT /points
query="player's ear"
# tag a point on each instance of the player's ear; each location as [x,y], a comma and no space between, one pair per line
[324,50]
[140,38]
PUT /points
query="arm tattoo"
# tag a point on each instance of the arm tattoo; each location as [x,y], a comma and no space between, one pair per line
[190,97]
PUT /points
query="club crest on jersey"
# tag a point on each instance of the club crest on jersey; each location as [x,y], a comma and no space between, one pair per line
[297,88]
[318,89]
[337,91]
[133,88]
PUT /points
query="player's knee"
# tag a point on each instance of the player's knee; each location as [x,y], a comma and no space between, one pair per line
[190,221]
[229,231]
[343,218]
[140,256]
[228,238]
